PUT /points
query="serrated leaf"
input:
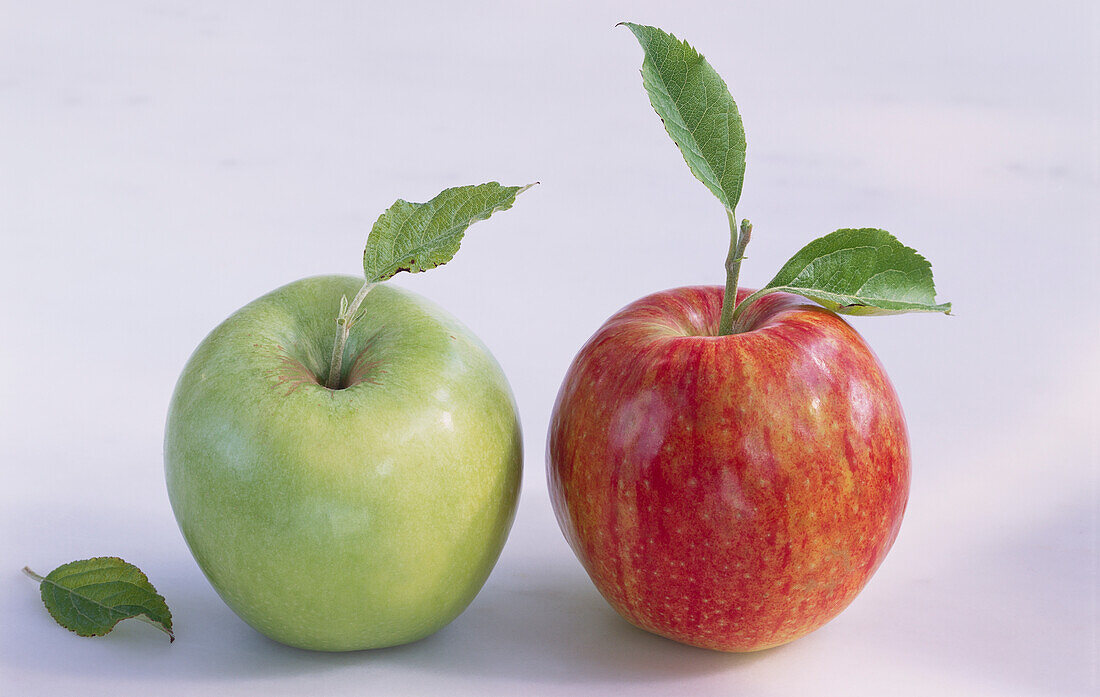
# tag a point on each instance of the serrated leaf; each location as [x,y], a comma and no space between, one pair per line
[91,596]
[697,110]
[415,237]
[862,271]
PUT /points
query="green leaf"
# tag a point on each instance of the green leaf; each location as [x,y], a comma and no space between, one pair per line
[860,272]
[90,597]
[697,110]
[416,237]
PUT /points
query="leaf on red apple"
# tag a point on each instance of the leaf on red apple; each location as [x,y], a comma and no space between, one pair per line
[91,596]
[416,237]
[697,110]
[862,271]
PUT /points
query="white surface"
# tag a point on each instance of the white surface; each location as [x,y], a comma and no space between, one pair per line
[163,163]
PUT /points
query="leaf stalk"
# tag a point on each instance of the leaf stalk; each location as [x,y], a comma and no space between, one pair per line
[32,575]
[744,304]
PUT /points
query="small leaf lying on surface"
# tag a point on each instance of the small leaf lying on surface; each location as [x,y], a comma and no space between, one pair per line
[91,596]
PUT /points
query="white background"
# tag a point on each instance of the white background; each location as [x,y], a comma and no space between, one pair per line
[163,163]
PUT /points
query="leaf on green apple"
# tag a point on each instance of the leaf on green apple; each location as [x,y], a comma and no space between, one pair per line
[862,271]
[416,237]
[91,596]
[697,110]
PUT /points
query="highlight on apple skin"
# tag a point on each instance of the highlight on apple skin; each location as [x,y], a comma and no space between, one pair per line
[730,492]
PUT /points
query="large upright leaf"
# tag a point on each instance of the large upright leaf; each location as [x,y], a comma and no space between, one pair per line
[90,597]
[697,110]
[415,237]
[864,271]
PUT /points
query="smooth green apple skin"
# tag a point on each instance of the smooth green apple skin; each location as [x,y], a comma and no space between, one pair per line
[345,519]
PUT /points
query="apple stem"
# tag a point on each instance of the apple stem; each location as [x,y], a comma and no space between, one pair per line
[344,322]
[738,242]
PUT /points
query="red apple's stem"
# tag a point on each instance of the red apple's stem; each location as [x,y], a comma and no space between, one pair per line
[738,242]
[344,323]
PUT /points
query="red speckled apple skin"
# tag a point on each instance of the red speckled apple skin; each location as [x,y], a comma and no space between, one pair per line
[731,492]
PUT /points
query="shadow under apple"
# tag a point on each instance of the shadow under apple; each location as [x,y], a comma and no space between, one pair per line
[529,623]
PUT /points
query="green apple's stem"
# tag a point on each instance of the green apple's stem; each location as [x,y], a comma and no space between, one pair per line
[738,242]
[344,323]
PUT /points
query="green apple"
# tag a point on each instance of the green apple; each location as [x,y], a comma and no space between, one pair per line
[351,518]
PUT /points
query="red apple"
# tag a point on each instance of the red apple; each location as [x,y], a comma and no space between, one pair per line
[731,492]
